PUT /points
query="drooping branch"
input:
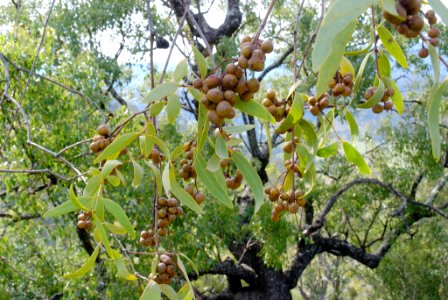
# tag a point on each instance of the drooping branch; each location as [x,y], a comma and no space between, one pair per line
[318,223]
[16,218]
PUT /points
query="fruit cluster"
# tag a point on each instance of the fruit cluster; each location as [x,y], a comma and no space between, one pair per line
[433,34]
[102,140]
[147,238]
[385,103]
[186,168]
[288,147]
[198,196]
[289,201]
[221,91]
[277,108]
[168,211]
[341,85]
[234,182]
[253,53]
[319,104]
[408,22]
[166,269]
[156,156]
[84,221]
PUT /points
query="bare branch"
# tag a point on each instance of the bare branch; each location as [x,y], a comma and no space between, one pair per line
[35,172]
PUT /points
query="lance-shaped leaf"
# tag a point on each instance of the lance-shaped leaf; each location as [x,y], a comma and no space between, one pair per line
[157,175]
[86,267]
[433,118]
[383,65]
[184,197]
[435,62]
[200,59]
[66,207]
[217,189]
[117,145]
[376,98]
[255,109]
[75,199]
[161,91]
[237,128]
[392,46]
[295,113]
[328,151]
[354,130]
[173,108]
[138,174]
[346,66]
[168,291]
[220,147]
[151,292]
[119,214]
[251,177]
[354,157]
[161,145]
[108,167]
[181,70]
[361,72]
[397,97]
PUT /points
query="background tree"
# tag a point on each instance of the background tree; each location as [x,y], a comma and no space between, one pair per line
[58,86]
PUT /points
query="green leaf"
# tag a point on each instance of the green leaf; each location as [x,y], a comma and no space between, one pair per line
[200,59]
[65,208]
[115,228]
[185,292]
[435,62]
[213,164]
[390,6]
[75,199]
[441,9]
[181,70]
[354,130]
[114,180]
[168,291]
[309,133]
[335,50]
[157,175]
[216,188]
[238,128]
[117,145]
[433,118]
[251,177]
[166,179]
[354,157]
[119,214]
[151,292]
[220,147]
[92,186]
[346,66]
[150,131]
[195,268]
[104,237]
[182,195]
[173,108]
[108,167]
[295,113]
[177,152]
[397,98]
[376,98]
[328,151]
[86,267]
[122,270]
[255,109]
[156,108]
[340,15]
[361,72]
[138,174]
[163,147]
[161,91]
[184,271]
[384,65]
[392,46]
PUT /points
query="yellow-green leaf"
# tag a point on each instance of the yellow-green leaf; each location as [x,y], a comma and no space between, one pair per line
[354,130]
[181,70]
[65,208]
[168,291]
[156,108]
[361,72]
[161,145]
[75,199]
[217,189]
[220,147]
[202,63]
[376,98]
[86,267]
[119,214]
[157,175]
[173,108]
[433,118]
[251,177]
[354,157]
[295,113]
[184,197]
[397,98]
[346,66]
[161,91]
[151,292]
[255,109]
[435,62]
[238,128]
[138,174]
[328,151]
[392,46]
[109,166]
[117,145]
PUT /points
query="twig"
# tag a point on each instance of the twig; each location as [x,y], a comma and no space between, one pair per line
[375,49]
[179,29]
[15,270]
[199,30]
[38,50]
[73,145]
[265,20]
[32,172]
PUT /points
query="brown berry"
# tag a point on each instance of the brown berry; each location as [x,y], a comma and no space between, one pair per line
[423,53]
[103,130]
[378,108]
[197,83]
[267,46]
[433,33]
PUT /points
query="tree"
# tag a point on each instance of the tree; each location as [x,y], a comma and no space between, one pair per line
[139,162]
